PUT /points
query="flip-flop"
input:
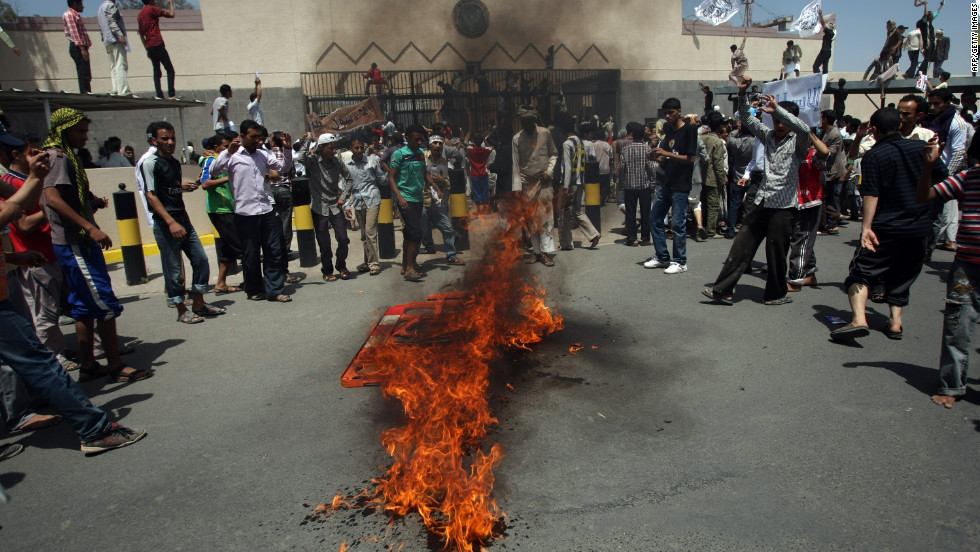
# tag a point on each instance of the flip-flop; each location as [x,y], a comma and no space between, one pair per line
[190,318]
[32,425]
[329,278]
[887,330]
[717,297]
[780,301]
[849,332]
[546,260]
[210,310]
[413,277]
[281,298]
[226,289]
[92,372]
[117,375]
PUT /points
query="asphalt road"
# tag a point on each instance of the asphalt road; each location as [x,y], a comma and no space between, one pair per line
[690,427]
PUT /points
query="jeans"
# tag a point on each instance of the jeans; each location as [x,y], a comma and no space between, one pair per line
[735,197]
[15,400]
[82,67]
[44,376]
[435,216]
[962,312]
[321,229]
[666,199]
[631,198]
[914,58]
[170,248]
[282,197]
[118,66]
[480,186]
[158,55]
[261,232]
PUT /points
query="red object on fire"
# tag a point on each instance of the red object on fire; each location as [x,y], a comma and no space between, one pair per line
[399,323]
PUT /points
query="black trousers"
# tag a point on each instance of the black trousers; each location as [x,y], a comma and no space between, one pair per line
[895,264]
[82,67]
[158,56]
[631,197]
[775,226]
[822,63]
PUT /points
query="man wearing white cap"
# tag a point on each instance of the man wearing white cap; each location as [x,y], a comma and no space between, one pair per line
[327,198]
[941,54]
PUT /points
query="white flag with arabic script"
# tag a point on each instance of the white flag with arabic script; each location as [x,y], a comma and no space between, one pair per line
[809,22]
[717,12]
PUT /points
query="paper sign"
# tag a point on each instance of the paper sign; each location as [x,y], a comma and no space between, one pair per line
[806,92]
[717,12]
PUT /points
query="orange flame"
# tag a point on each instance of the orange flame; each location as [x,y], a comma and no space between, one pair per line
[440,469]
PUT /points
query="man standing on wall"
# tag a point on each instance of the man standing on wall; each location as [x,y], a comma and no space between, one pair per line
[114,37]
[822,63]
[219,111]
[791,59]
[156,50]
[78,44]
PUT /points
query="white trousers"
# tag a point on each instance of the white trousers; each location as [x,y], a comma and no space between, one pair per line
[118,66]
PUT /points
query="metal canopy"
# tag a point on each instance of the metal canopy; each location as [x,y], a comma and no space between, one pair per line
[19,101]
[895,86]
[14,100]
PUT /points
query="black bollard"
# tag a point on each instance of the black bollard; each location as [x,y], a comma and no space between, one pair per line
[303,217]
[386,225]
[593,195]
[130,240]
[457,208]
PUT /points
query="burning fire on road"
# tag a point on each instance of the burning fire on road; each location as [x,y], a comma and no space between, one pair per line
[434,357]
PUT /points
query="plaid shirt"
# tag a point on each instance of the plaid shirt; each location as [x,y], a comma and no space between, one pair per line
[636,171]
[75,29]
[783,157]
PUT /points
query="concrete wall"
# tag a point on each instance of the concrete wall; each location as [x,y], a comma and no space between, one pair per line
[105,182]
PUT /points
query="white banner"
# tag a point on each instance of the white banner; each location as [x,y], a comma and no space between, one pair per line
[805,92]
[809,23]
[717,12]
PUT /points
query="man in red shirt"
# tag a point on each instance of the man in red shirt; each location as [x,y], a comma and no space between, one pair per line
[373,76]
[156,50]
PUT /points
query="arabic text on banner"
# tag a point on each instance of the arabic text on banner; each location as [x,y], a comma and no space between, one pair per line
[717,12]
[809,22]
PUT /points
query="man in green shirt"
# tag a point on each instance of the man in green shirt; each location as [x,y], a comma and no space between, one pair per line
[221,211]
[408,177]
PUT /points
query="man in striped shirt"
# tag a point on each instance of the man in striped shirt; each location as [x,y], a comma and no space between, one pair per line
[962,298]
[894,228]
[786,146]
[78,44]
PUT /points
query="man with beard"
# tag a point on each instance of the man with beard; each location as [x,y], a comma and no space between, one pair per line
[534,158]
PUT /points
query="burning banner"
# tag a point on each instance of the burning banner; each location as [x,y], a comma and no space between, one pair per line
[809,22]
[347,118]
[717,12]
[434,357]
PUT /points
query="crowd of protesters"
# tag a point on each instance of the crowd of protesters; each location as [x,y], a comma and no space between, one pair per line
[905,175]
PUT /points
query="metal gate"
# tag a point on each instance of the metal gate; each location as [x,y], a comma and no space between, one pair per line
[490,97]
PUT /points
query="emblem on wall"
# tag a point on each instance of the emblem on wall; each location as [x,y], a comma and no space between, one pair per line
[471,18]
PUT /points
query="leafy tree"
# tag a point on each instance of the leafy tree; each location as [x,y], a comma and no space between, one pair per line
[7,13]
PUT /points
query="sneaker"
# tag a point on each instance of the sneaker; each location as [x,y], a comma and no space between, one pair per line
[11,450]
[675,268]
[115,437]
[656,263]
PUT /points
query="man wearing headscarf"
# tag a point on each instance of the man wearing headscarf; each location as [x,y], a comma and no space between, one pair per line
[78,242]
[534,158]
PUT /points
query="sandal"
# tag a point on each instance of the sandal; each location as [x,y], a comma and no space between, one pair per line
[210,310]
[717,297]
[849,332]
[118,376]
[546,260]
[257,297]
[413,277]
[190,318]
[92,372]
[329,278]
[68,364]
[887,330]
[780,301]
[532,259]
[281,298]
[345,274]
[375,271]
[35,424]
[226,289]
[292,279]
